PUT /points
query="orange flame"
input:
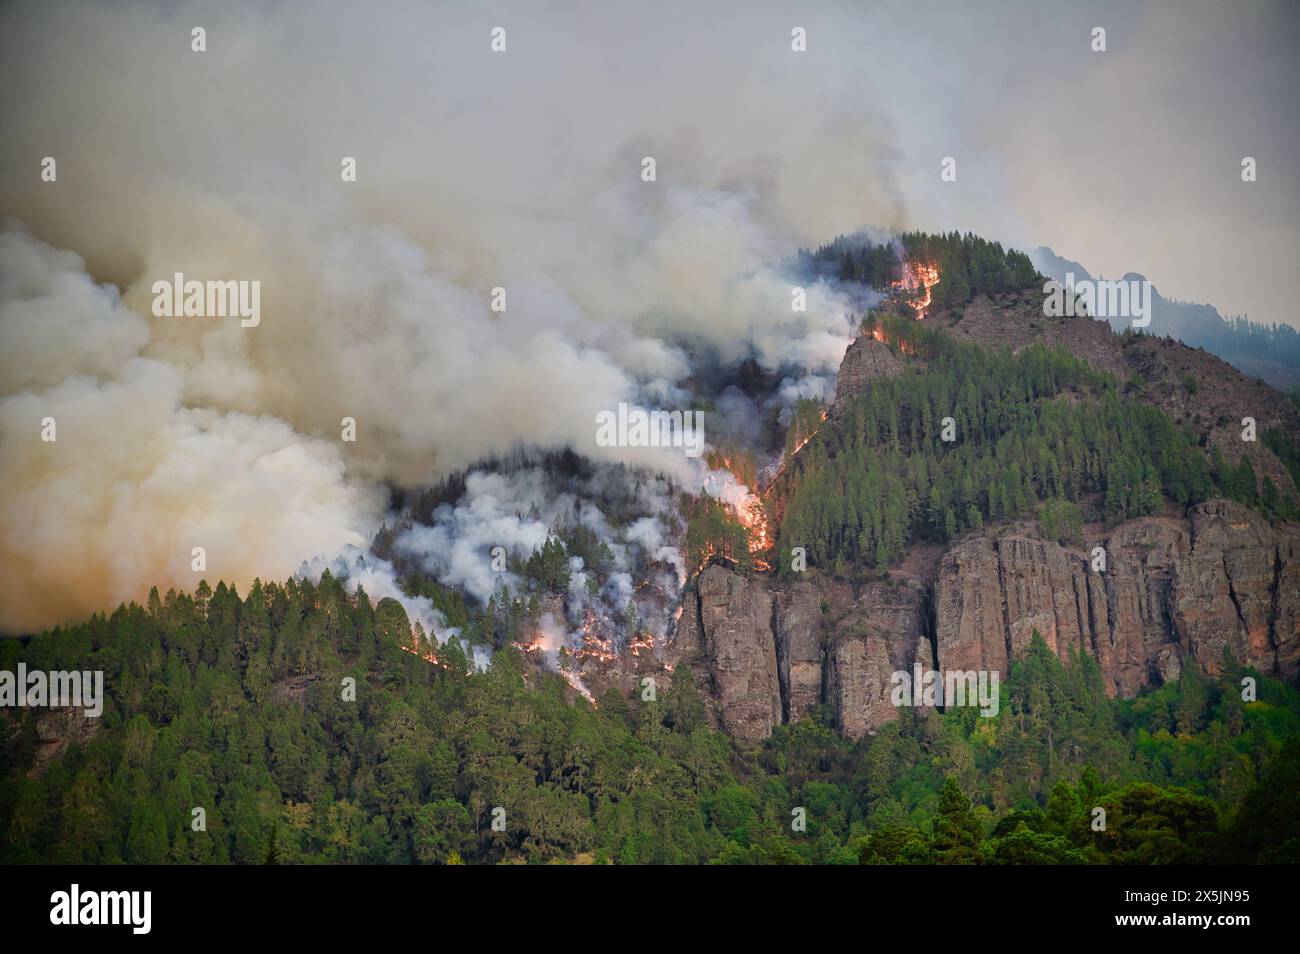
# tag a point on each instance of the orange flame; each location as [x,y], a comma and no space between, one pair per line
[424,652]
[918,277]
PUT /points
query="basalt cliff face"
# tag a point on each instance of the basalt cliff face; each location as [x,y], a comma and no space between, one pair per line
[1144,598]
[767,652]
[1172,591]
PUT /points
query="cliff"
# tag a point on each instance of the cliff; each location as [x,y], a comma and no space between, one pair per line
[1171,590]
[1143,598]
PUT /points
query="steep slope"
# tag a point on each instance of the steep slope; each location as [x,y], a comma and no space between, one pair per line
[1192,386]
[1144,597]
[1173,590]
[1271,353]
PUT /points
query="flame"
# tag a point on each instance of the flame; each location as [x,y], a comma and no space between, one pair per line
[917,277]
[753,517]
[424,652]
[551,658]
[746,506]
[641,643]
[594,646]
[804,443]
[750,511]
[825,415]
[533,645]
[709,554]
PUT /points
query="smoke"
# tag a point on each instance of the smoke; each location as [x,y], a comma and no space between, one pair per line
[360,569]
[475,171]
[134,480]
[505,515]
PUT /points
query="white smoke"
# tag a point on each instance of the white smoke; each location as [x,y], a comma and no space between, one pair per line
[359,568]
[178,433]
[504,516]
[134,479]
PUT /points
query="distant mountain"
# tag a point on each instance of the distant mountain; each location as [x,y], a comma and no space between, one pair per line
[1268,352]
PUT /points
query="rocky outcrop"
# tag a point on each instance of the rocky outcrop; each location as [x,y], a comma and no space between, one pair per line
[1136,589]
[1146,599]
[772,651]
[1161,593]
[798,626]
[970,619]
[1164,591]
[736,623]
[56,728]
[865,361]
[885,632]
[858,679]
[1237,590]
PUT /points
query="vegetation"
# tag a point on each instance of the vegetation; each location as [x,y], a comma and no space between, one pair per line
[968,265]
[234,706]
[1035,432]
[239,706]
[713,531]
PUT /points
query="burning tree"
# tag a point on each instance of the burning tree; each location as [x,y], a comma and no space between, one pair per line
[805,420]
[714,530]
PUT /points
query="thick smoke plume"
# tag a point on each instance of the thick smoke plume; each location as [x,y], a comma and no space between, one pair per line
[474,173]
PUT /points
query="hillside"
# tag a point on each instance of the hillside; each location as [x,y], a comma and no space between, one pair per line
[1270,353]
[945,570]
[948,507]
[237,706]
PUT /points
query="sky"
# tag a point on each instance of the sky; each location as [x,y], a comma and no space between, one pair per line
[1123,160]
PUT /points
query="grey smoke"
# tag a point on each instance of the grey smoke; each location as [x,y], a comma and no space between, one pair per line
[522,171]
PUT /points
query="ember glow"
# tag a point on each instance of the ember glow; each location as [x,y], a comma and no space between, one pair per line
[776,477]
[748,509]
[918,277]
[753,517]
[825,414]
[594,648]
[419,647]
[557,659]
[641,644]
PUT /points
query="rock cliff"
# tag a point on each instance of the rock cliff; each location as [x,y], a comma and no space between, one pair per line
[1160,592]
[1144,598]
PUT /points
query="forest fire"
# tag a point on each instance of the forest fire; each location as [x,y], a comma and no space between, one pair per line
[559,659]
[746,507]
[813,433]
[416,648]
[754,519]
[531,646]
[594,648]
[823,416]
[918,277]
[752,515]
[641,643]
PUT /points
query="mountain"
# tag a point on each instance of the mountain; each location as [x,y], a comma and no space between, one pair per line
[1177,591]
[1080,514]
[1179,587]
[1268,352]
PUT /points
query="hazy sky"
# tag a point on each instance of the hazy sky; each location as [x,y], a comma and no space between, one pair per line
[1128,159]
